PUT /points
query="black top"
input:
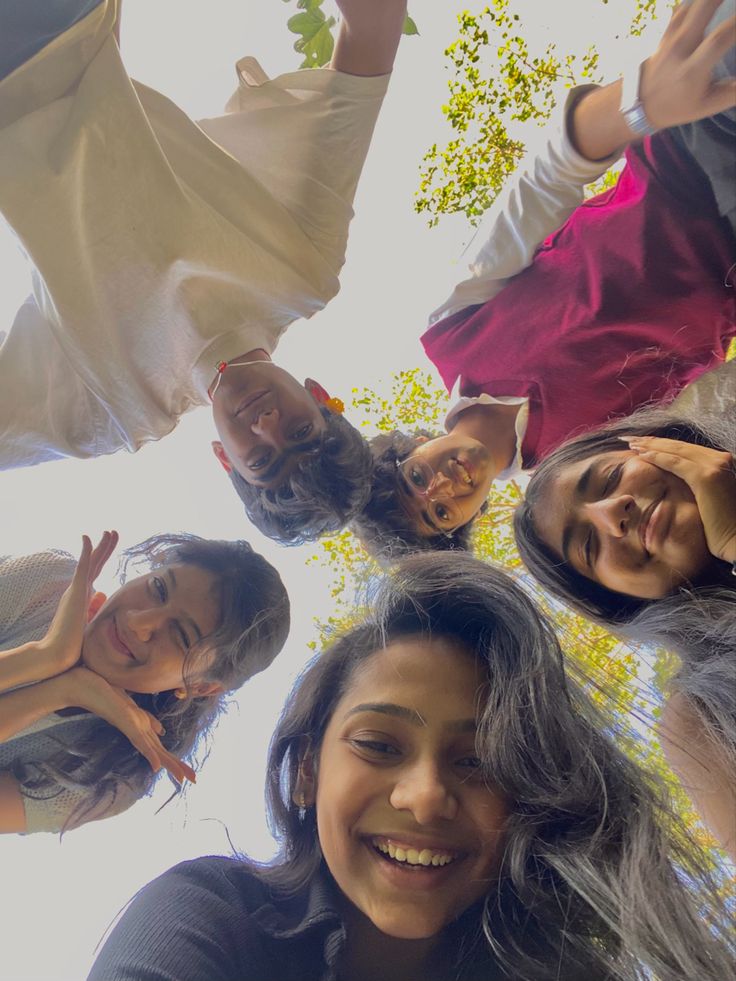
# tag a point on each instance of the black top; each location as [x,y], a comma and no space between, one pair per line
[213,919]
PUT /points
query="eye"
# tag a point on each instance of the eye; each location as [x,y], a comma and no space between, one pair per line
[612,479]
[416,477]
[260,462]
[375,747]
[181,636]
[302,433]
[160,588]
[471,762]
[441,513]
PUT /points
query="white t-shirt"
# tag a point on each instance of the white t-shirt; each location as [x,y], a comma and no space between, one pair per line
[160,246]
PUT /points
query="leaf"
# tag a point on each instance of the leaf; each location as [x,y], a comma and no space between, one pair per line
[316,42]
[409,27]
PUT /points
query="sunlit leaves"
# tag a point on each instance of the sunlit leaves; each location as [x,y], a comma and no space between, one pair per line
[316,35]
[499,87]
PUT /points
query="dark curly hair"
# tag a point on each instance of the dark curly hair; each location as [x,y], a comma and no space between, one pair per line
[326,489]
[384,527]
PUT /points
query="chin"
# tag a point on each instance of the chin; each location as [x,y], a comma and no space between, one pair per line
[411,925]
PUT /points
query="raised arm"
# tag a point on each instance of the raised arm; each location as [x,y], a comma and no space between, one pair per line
[676,84]
[369,36]
[591,133]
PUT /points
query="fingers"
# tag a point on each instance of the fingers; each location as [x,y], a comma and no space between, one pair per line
[159,757]
[691,20]
[102,552]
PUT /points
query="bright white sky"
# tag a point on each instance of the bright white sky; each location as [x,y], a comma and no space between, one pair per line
[64,896]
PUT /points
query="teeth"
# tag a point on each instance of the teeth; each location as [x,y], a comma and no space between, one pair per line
[411,856]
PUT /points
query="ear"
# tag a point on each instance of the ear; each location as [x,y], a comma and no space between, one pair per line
[202,689]
[219,451]
[319,394]
[305,788]
[97,601]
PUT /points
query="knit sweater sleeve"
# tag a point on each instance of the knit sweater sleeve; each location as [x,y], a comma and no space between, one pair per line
[190,924]
[30,589]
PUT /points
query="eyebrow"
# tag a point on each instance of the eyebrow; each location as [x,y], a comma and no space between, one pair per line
[189,621]
[282,458]
[410,715]
[580,488]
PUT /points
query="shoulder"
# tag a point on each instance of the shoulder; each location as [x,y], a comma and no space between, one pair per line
[194,921]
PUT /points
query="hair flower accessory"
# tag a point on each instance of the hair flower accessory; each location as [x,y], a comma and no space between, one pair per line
[321,396]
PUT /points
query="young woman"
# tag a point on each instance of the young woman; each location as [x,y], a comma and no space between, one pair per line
[623,299]
[448,807]
[634,526]
[99,694]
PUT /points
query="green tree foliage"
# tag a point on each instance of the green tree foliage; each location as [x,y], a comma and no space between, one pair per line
[499,87]
[315,32]
[627,683]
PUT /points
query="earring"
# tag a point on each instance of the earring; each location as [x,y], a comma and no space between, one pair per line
[302,806]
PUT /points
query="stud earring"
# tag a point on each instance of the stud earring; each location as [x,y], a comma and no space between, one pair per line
[302,806]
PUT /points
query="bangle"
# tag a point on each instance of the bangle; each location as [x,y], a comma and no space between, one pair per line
[631,107]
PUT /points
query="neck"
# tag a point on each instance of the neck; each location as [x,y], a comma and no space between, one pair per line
[370,954]
[495,427]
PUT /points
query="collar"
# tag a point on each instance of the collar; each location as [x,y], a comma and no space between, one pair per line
[314,911]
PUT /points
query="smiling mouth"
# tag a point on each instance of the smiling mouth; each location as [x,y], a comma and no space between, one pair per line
[410,857]
[645,525]
[250,400]
[463,472]
[117,642]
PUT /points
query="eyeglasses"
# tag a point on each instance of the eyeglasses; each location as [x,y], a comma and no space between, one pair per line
[417,477]
[220,369]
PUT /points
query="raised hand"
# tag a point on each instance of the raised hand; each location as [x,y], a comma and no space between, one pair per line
[61,648]
[85,689]
[677,83]
[711,477]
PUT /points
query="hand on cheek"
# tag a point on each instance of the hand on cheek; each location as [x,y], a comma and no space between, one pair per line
[710,475]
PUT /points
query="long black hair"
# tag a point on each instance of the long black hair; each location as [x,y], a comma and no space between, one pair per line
[253,627]
[592,882]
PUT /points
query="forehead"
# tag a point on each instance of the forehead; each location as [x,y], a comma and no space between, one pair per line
[190,588]
[436,674]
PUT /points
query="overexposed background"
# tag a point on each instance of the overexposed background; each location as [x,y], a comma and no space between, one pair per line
[58,898]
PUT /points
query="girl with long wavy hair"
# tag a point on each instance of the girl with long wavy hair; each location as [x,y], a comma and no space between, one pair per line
[99,694]
[448,805]
[634,526]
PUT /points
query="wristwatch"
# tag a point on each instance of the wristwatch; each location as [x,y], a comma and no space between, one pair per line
[631,108]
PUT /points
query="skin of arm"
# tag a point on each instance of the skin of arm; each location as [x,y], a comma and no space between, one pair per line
[369,36]
[495,427]
[26,665]
[702,769]
[23,707]
[12,813]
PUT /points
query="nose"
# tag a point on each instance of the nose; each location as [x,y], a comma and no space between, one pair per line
[424,792]
[611,515]
[143,623]
[266,425]
[441,484]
